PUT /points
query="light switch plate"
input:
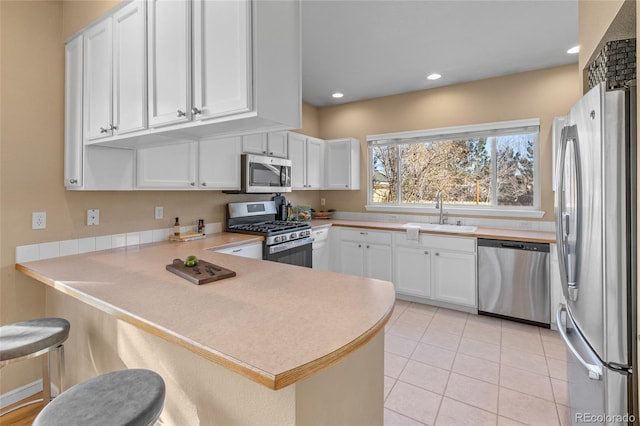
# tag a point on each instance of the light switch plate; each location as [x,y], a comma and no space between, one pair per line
[93,217]
[159,212]
[38,220]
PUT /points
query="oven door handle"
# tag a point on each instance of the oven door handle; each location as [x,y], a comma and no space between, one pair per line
[277,248]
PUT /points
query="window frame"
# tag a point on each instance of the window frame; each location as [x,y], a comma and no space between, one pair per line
[501,128]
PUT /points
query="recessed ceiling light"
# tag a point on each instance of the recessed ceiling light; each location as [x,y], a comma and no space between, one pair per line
[574,49]
[433,76]
[337,95]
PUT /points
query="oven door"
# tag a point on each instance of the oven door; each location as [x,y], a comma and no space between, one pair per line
[296,252]
[262,174]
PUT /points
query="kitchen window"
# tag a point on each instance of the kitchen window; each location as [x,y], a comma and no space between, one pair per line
[490,168]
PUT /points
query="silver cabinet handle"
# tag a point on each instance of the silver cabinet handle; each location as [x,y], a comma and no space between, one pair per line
[103,130]
[367,246]
[437,254]
[112,127]
[180,113]
[346,186]
[270,153]
[364,233]
[204,183]
[73,181]
[359,245]
[192,184]
[196,111]
[237,250]
[426,252]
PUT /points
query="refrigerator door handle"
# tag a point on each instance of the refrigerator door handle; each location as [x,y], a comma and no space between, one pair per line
[567,255]
[595,371]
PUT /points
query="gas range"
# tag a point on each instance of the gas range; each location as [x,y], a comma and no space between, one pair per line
[275,231]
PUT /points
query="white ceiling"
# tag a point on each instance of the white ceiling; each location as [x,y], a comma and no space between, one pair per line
[371,48]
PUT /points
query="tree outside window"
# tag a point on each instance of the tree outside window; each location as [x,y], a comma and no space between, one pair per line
[490,170]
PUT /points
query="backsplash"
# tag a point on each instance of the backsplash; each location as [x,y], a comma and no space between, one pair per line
[53,249]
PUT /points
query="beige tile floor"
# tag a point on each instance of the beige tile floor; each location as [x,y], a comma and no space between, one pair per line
[444,367]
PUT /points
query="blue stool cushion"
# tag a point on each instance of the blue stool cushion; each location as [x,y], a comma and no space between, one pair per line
[125,397]
[28,337]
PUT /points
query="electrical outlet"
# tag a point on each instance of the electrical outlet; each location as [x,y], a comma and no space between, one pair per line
[159,212]
[93,217]
[323,201]
[38,220]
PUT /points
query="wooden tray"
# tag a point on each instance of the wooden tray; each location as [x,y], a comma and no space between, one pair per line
[204,272]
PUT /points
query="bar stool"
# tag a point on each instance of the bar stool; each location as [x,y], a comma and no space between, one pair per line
[132,397]
[29,339]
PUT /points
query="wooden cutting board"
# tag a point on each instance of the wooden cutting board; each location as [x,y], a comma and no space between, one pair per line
[204,272]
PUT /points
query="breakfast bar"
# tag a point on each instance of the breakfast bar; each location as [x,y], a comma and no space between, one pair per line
[275,344]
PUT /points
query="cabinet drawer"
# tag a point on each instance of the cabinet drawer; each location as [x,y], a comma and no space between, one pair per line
[366,235]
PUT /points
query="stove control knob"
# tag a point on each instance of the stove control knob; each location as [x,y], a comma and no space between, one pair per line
[307,233]
[283,238]
[276,239]
[293,235]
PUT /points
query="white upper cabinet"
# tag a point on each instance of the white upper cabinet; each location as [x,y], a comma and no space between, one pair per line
[221,58]
[273,144]
[73,143]
[202,57]
[169,53]
[168,166]
[343,164]
[219,163]
[114,74]
[98,121]
[129,68]
[307,162]
[278,143]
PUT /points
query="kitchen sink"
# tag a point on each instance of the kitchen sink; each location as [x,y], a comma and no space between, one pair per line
[444,228]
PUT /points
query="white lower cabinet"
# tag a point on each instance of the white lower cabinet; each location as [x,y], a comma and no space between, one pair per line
[413,270]
[453,277]
[436,268]
[208,164]
[365,253]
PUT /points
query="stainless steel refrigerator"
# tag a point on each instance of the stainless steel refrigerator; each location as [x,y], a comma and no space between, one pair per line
[596,238]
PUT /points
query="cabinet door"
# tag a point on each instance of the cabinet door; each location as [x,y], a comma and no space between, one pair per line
[277,144]
[255,144]
[219,163]
[98,80]
[297,151]
[412,270]
[338,163]
[351,258]
[129,68]
[379,262]
[315,163]
[453,277]
[169,61]
[73,143]
[170,166]
[221,58]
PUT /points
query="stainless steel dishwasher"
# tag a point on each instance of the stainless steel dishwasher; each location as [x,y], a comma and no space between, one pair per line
[513,280]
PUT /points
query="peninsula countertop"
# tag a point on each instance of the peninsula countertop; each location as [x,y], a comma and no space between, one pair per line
[273,323]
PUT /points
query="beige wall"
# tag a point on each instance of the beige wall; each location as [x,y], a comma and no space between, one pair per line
[32,112]
[542,94]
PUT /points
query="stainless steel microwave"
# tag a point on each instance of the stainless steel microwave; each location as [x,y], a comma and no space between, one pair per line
[262,174]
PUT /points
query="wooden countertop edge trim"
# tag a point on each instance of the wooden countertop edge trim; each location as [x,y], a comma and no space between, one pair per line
[269,380]
[307,370]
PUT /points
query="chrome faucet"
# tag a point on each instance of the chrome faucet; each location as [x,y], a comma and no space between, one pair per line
[439,206]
